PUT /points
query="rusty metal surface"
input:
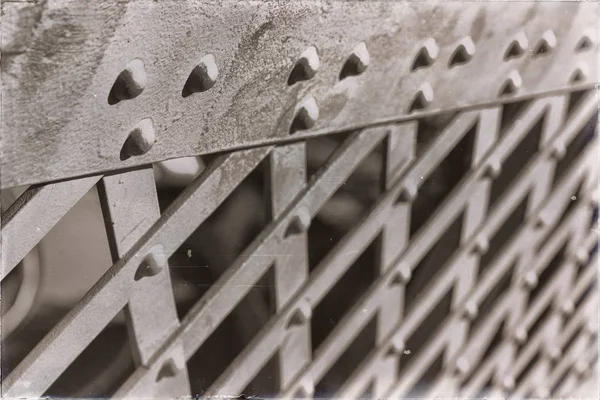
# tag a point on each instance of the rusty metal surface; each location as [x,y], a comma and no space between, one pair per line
[488,289]
[61,60]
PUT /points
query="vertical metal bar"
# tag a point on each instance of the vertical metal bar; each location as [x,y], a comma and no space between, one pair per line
[130,205]
[287,178]
[400,150]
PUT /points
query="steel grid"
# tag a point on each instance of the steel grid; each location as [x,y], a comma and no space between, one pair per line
[161,235]
[543,307]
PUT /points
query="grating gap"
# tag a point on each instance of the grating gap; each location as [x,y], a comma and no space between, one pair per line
[506,231]
[574,149]
[430,266]
[427,380]
[547,274]
[426,331]
[100,369]
[487,305]
[265,383]
[525,371]
[574,101]
[347,363]
[442,181]
[343,295]
[516,161]
[535,327]
[492,346]
[232,335]
[510,113]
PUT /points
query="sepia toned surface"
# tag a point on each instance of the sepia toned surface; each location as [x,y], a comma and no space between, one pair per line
[443,245]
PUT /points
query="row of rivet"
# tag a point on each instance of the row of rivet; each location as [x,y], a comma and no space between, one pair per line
[132,81]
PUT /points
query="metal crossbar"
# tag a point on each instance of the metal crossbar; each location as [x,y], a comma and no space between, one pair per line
[493,293]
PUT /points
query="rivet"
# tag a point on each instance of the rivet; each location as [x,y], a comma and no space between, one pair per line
[397,346]
[203,76]
[543,392]
[463,365]
[299,223]
[508,383]
[409,192]
[167,370]
[493,169]
[301,316]
[530,279]
[517,47]
[402,276]
[422,99]
[582,257]
[520,335]
[511,85]
[567,307]
[559,151]
[554,353]
[140,140]
[585,43]
[306,115]
[306,67]
[592,327]
[542,221]
[581,367]
[463,53]
[152,264]
[546,44]
[482,245]
[130,83]
[471,310]
[579,75]
[306,390]
[426,55]
[357,62]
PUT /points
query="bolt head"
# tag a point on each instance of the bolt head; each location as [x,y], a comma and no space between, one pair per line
[559,151]
[397,346]
[582,257]
[301,315]
[482,245]
[508,383]
[299,223]
[493,169]
[471,310]
[568,307]
[520,335]
[463,366]
[409,191]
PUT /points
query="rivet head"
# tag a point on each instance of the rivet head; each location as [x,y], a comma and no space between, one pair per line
[463,53]
[154,262]
[592,327]
[306,67]
[493,169]
[582,257]
[554,353]
[301,315]
[463,365]
[520,335]
[409,192]
[140,140]
[542,221]
[397,346]
[512,84]
[508,383]
[559,150]
[168,370]
[426,55]
[299,223]
[422,99]
[517,47]
[543,393]
[530,279]
[481,245]
[357,62]
[306,390]
[402,276]
[581,367]
[203,76]
[579,75]
[471,310]
[130,83]
[546,44]
[567,307]
[306,115]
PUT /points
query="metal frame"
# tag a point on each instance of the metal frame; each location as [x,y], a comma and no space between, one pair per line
[142,239]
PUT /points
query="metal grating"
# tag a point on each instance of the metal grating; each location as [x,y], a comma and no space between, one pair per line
[508,312]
